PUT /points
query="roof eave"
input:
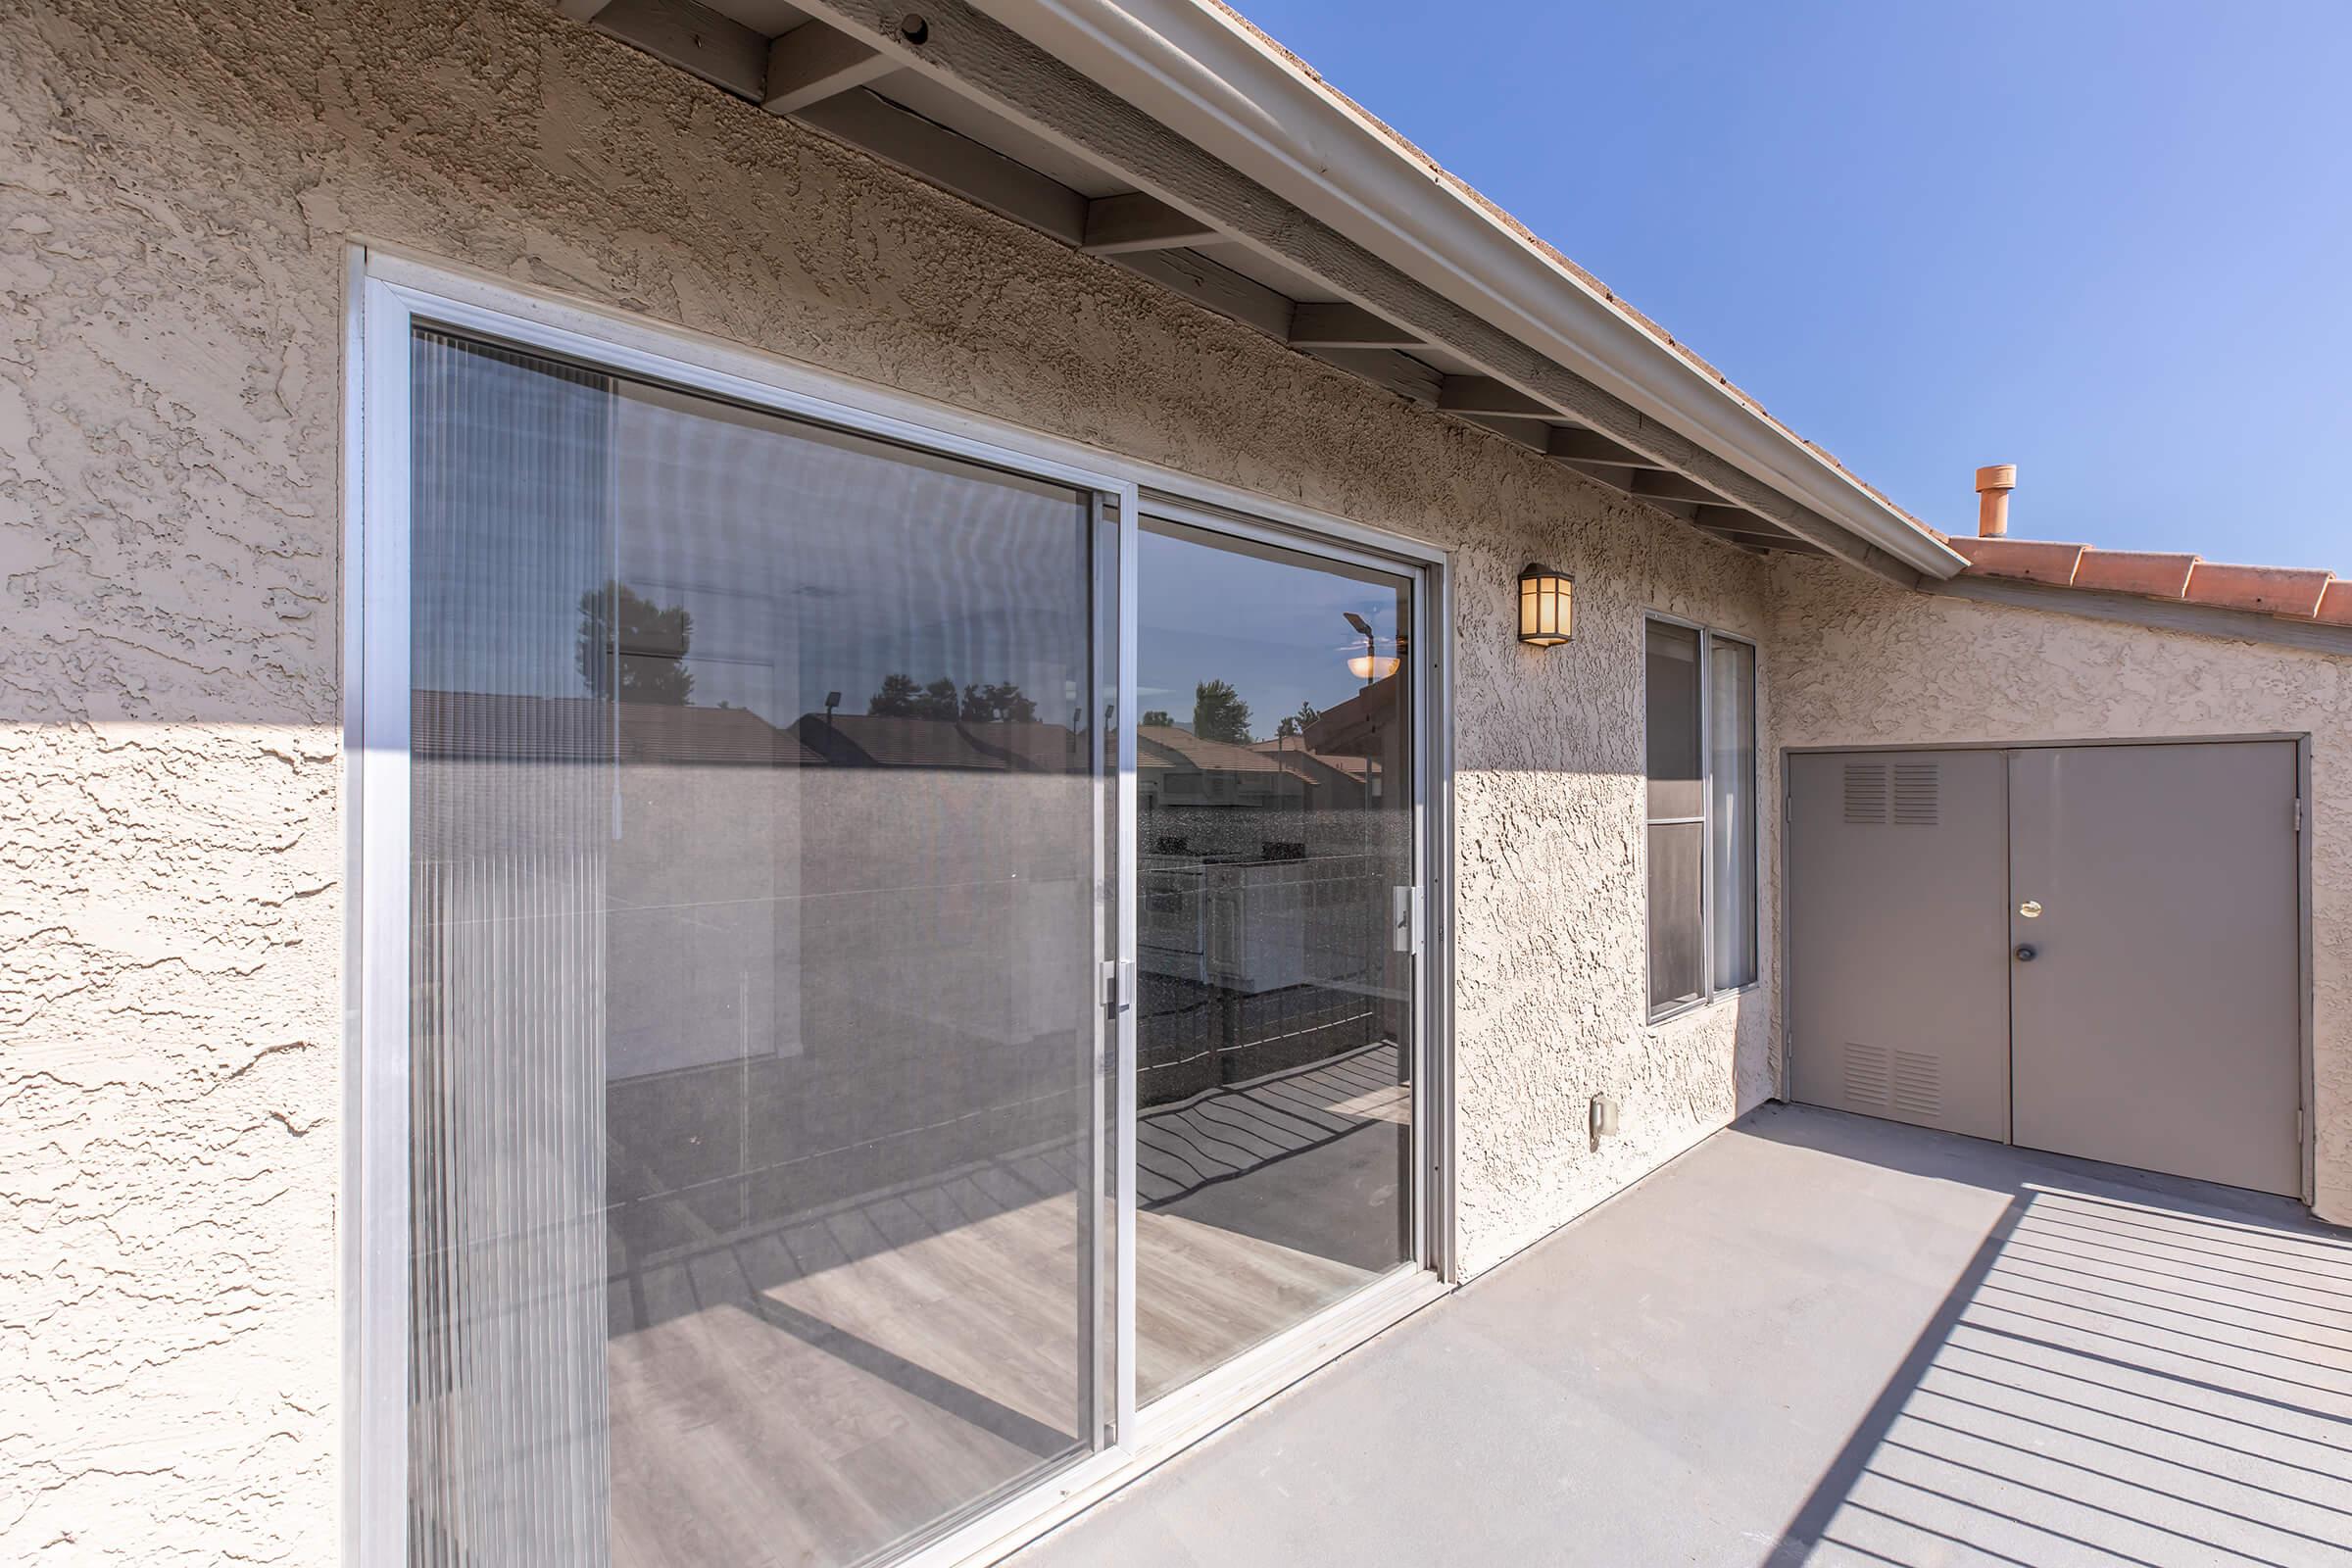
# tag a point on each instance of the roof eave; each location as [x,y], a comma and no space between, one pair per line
[1206,77]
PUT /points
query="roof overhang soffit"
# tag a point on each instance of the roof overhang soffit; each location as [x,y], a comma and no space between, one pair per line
[1294,179]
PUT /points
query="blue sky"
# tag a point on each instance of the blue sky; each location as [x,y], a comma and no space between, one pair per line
[2107,240]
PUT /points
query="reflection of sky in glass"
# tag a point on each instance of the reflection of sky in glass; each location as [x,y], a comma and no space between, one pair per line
[1275,629]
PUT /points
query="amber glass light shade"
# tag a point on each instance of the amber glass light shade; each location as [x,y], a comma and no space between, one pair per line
[1547,608]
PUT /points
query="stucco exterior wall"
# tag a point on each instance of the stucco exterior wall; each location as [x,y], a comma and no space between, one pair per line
[1861,664]
[181,184]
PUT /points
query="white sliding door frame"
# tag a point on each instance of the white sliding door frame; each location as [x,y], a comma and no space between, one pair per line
[389,293]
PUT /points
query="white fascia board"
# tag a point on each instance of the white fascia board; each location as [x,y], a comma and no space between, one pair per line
[1197,70]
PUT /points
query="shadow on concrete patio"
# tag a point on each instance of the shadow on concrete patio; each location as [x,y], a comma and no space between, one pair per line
[2129,1369]
[1818,1339]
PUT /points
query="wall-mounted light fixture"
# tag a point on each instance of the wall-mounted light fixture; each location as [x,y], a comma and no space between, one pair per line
[1371,665]
[1547,606]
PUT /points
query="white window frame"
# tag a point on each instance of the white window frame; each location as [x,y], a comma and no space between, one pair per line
[1710,993]
[387,292]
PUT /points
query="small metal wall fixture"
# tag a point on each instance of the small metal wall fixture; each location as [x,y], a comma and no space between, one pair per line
[1547,606]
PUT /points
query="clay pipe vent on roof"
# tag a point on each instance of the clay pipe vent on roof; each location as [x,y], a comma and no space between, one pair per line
[1994,484]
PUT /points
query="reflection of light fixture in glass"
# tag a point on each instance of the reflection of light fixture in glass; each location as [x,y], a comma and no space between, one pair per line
[1546,609]
[1371,665]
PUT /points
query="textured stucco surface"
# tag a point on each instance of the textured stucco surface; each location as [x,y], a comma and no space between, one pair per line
[1863,664]
[178,187]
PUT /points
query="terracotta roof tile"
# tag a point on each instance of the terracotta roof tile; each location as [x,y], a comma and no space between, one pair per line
[2335,604]
[2266,590]
[2150,573]
[2027,559]
[2293,593]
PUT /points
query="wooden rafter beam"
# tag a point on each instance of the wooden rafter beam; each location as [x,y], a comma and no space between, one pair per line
[1572,445]
[813,63]
[694,38]
[953,162]
[1212,285]
[1517,431]
[1322,324]
[1739,527]
[1616,475]
[1135,221]
[1401,374]
[1483,394]
[1674,487]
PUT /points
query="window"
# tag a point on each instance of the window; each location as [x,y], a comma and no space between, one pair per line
[1700,712]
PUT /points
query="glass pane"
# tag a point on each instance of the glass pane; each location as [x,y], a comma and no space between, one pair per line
[1274,1037]
[755,1042]
[1671,690]
[1677,967]
[1732,777]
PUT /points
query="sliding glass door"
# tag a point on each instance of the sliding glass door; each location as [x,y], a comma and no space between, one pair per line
[1278,919]
[879,961]
[755,1052]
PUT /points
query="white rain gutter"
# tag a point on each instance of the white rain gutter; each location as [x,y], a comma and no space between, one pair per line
[1197,70]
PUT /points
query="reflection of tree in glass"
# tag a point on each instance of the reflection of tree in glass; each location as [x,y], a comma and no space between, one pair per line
[651,643]
[1219,714]
[1297,724]
[998,703]
[995,702]
[1160,718]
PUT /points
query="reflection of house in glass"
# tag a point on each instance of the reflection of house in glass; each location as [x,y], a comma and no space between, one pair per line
[1267,876]
[797,925]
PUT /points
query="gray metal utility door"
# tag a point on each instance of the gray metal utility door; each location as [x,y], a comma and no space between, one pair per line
[2092,950]
[1898,990]
[2158,1022]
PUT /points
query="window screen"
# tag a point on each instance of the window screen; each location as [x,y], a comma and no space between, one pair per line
[1700,708]
[1677,819]
[1732,809]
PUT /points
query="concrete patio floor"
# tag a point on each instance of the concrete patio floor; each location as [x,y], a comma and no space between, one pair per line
[1817,1338]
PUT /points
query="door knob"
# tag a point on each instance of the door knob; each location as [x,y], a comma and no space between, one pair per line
[2025,954]
[2030,908]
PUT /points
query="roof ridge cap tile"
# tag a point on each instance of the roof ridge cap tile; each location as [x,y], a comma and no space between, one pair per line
[2293,592]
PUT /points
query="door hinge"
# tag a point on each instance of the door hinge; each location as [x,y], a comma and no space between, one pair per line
[2299,813]
[1118,986]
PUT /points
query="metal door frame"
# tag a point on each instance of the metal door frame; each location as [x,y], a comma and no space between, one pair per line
[2306,1088]
[385,288]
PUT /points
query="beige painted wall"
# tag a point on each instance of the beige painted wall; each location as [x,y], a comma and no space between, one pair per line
[179,191]
[1864,665]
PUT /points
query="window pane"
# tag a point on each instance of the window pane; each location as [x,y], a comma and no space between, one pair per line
[1731,781]
[1671,684]
[753,1033]
[1676,971]
[1274,1036]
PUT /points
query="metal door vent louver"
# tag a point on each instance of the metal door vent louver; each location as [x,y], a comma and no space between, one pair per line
[1868,1073]
[1917,791]
[1866,793]
[1918,1089]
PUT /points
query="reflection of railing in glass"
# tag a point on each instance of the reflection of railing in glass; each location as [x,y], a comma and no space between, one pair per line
[1252,966]
[754,1058]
